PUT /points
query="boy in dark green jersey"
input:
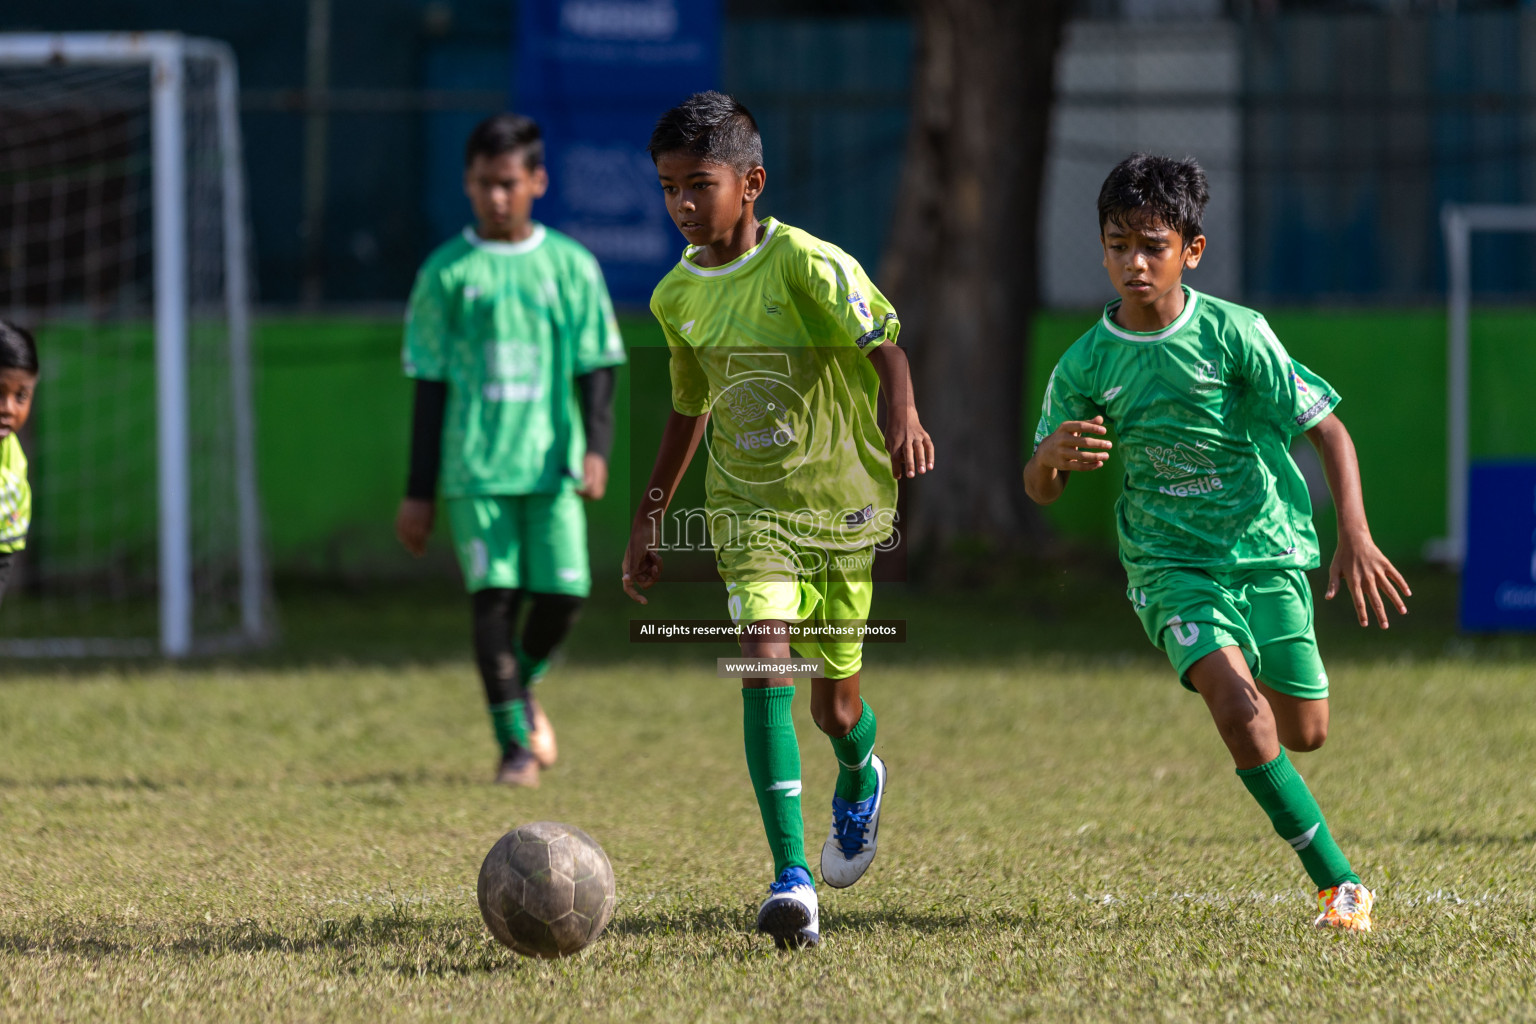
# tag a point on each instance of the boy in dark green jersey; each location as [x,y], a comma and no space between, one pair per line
[779,344]
[1215,524]
[512,341]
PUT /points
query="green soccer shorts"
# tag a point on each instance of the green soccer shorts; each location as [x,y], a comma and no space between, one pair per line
[768,576]
[533,542]
[1188,613]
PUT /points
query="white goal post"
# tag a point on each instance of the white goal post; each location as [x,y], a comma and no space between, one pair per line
[1458,222]
[167,57]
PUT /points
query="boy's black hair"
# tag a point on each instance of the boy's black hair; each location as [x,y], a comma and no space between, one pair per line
[506,133]
[17,349]
[713,127]
[1144,188]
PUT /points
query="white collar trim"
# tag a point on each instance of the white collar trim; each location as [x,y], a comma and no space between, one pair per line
[1191,299]
[734,265]
[528,244]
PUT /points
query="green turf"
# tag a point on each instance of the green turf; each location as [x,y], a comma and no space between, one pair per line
[298,839]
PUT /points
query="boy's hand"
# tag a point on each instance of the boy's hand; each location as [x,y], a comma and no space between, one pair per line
[909,444]
[594,476]
[1368,575]
[413,524]
[1070,449]
[642,565]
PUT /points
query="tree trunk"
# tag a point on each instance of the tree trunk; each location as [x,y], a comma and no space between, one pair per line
[961,267]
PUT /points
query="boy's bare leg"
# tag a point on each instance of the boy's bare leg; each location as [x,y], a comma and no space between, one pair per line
[836,705]
[1242,712]
[1301,723]
[770,639]
[1247,721]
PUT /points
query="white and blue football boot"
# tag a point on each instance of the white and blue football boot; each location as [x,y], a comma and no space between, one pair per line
[850,846]
[789,913]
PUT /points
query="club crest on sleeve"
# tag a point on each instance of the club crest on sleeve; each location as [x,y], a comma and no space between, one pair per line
[860,305]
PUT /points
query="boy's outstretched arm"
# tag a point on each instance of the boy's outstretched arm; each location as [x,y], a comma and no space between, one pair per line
[909,444]
[1066,450]
[1357,560]
[680,439]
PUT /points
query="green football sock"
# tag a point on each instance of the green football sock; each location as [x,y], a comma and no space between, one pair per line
[510,721]
[855,767]
[530,671]
[1298,820]
[773,761]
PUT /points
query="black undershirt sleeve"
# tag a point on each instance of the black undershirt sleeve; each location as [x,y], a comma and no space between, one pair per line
[427,439]
[595,391]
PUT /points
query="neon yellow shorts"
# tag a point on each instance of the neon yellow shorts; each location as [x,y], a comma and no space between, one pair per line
[533,542]
[1189,613]
[830,590]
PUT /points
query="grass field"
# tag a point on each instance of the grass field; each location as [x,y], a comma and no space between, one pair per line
[297,837]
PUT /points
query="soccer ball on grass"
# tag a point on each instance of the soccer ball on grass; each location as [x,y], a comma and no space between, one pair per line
[546,890]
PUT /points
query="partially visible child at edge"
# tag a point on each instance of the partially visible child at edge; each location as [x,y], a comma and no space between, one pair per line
[18,383]
[512,341]
[785,342]
[1214,522]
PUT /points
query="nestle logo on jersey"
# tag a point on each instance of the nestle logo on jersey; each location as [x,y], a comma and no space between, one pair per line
[1197,487]
[765,438]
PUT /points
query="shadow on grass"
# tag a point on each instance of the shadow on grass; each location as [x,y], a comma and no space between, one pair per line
[729,921]
[131,784]
[438,779]
[1465,837]
[394,942]
[923,920]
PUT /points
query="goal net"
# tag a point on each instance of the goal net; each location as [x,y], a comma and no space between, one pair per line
[122,247]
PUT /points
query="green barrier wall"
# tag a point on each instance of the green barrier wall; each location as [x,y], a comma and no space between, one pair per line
[334,415]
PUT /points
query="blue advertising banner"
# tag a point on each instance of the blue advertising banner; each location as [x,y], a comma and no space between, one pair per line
[596,74]
[1498,577]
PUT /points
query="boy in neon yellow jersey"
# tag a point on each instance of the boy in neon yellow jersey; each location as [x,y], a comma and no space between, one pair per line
[780,343]
[18,383]
[1215,523]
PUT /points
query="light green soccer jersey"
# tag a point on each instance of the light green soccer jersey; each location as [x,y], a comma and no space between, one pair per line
[15,496]
[773,346]
[1205,411]
[508,325]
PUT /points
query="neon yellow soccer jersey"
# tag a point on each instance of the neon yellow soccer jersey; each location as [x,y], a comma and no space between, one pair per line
[507,325]
[15,496]
[772,345]
[1205,410]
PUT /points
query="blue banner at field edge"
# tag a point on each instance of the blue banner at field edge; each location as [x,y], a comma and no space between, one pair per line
[1498,575]
[596,74]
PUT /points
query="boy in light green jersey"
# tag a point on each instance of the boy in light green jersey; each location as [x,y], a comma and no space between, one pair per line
[512,341]
[1215,523]
[18,383]
[779,345]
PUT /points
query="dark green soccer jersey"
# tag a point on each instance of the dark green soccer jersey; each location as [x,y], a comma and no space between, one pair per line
[774,346]
[1205,410]
[508,325]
